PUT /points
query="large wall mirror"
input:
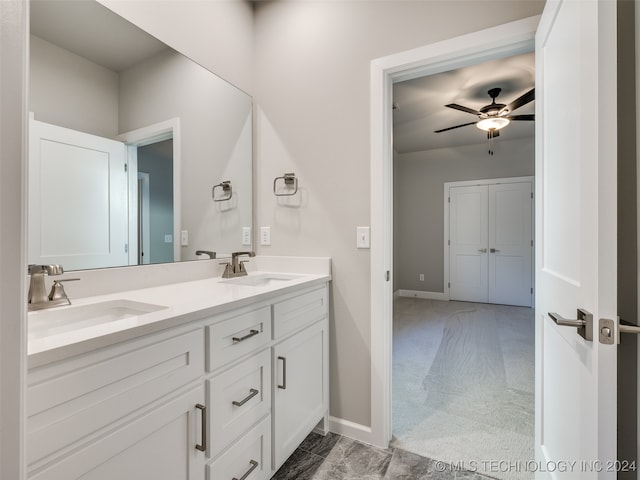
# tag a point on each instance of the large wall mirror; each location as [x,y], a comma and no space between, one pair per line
[137,154]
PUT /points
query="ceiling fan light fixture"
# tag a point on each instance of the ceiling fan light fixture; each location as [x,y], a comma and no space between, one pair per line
[492,123]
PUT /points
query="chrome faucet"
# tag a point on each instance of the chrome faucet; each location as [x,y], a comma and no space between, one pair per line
[235,268]
[38,297]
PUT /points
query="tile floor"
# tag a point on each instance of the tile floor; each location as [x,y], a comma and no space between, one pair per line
[340,458]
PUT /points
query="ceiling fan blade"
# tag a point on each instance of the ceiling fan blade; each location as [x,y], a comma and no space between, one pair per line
[462,108]
[522,100]
[529,116]
[457,126]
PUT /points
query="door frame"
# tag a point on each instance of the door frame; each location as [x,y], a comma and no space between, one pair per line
[168,129]
[501,41]
[464,183]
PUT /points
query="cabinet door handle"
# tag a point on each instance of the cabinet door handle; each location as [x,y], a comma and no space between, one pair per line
[254,465]
[284,373]
[253,393]
[203,445]
[248,335]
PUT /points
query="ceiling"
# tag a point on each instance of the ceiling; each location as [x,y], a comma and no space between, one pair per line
[102,36]
[421,104]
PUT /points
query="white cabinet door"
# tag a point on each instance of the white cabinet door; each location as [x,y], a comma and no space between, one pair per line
[159,445]
[65,165]
[299,388]
[468,230]
[510,244]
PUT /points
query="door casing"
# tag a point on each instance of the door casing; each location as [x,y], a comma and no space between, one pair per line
[502,41]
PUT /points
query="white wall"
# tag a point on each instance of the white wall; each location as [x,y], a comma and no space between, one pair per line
[217,34]
[70,91]
[312,102]
[13,256]
[419,202]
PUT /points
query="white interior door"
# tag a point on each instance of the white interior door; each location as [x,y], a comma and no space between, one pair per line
[468,237]
[575,236]
[65,165]
[511,244]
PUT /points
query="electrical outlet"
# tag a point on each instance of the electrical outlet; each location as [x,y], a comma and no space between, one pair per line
[422,277]
[168,238]
[265,235]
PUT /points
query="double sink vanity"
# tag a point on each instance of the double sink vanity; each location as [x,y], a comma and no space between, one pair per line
[212,378]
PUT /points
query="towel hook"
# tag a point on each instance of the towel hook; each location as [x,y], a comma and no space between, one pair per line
[226,190]
[290,180]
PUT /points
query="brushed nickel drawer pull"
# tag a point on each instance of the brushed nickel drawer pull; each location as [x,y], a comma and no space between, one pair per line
[248,335]
[284,373]
[203,445]
[253,393]
[254,465]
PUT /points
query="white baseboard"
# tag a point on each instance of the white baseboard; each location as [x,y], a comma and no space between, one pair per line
[424,295]
[350,429]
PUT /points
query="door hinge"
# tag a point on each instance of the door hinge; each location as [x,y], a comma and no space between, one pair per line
[126,248]
[126,167]
[387,275]
[532,291]
[449,200]
[449,285]
[448,242]
[531,195]
[532,243]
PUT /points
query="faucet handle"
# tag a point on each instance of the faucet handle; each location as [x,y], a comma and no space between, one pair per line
[57,290]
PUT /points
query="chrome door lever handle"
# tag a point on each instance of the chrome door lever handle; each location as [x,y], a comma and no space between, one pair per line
[482,250]
[584,323]
[494,250]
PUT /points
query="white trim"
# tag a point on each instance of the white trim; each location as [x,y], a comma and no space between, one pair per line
[422,294]
[349,429]
[501,41]
[159,132]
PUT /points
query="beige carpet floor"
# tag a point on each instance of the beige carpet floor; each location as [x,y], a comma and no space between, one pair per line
[463,384]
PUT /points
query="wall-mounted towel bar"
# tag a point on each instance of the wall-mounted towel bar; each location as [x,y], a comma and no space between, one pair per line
[290,180]
[227,191]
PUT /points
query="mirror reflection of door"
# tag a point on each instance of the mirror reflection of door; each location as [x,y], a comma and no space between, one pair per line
[143,218]
[155,202]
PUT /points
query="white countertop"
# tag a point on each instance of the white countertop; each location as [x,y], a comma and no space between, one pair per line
[184,302]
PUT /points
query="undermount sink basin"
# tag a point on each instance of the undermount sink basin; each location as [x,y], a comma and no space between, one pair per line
[262,279]
[44,323]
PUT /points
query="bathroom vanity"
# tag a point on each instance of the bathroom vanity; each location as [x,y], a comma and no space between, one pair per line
[216,379]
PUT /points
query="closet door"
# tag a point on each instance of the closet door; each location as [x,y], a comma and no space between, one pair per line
[510,244]
[468,236]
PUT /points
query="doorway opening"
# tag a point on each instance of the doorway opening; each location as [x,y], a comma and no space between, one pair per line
[463,370]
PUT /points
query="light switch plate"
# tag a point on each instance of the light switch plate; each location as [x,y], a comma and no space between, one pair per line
[184,238]
[265,235]
[246,236]
[363,237]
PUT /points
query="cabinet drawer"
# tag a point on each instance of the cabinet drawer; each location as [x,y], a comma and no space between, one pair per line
[237,336]
[70,400]
[248,384]
[292,314]
[251,453]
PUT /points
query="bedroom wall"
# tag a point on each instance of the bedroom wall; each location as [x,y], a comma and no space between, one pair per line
[419,202]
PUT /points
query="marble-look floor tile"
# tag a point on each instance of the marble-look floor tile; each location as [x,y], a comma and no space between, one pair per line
[409,466]
[350,459]
[318,444]
[301,465]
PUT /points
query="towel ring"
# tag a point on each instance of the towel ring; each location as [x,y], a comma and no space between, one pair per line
[289,180]
[226,190]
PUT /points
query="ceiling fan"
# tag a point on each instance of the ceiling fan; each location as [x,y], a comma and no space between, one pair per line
[493,117]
